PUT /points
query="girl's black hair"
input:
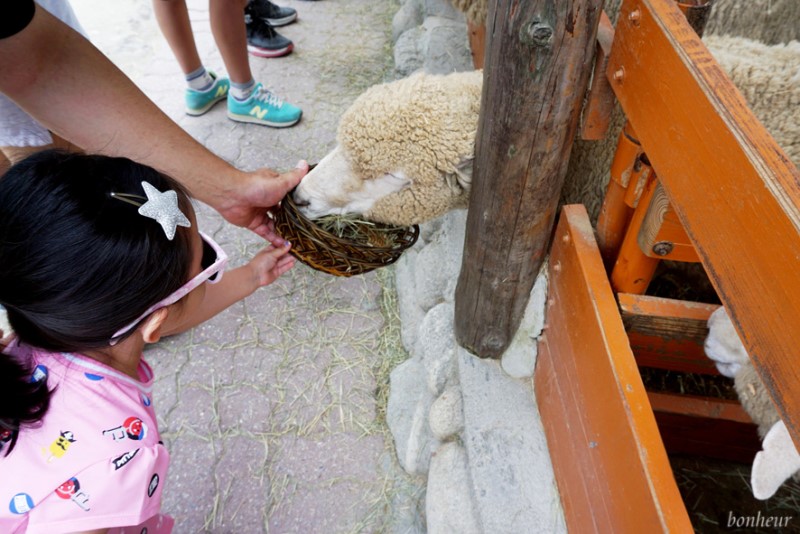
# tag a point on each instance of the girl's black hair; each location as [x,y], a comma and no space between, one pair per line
[77,264]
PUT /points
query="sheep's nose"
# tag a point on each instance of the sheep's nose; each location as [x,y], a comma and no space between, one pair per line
[299,201]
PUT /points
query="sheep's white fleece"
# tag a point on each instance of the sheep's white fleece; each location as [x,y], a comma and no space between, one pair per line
[773,465]
[767,76]
[420,129]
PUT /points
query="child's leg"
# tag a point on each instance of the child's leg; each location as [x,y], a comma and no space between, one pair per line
[227,25]
[204,89]
[173,19]
[248,101]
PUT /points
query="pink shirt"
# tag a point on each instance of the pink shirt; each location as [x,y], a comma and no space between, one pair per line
[97,460]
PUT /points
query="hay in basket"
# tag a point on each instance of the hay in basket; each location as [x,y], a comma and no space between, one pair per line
[341,245]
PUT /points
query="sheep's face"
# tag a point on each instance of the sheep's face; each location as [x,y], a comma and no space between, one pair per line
[333,188]
[723,344]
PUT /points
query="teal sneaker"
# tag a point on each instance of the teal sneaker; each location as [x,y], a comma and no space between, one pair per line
[198,102]
[264,107]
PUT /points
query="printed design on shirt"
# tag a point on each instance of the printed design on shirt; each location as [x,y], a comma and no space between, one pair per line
[60,446]
[146,400]
[21,503]
[133,428]
[124,459]
[71,489]
[151,488]
[39,373]
[93,377]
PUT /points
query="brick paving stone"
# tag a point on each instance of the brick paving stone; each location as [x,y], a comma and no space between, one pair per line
[269,409]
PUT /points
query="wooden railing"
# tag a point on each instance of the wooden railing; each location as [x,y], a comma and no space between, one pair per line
[704,180]
[734,190]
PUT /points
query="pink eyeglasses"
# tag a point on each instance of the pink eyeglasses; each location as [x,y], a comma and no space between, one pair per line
[213,264]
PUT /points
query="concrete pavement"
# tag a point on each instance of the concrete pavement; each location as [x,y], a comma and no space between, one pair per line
[273,411]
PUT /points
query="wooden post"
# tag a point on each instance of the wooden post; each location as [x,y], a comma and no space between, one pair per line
[535,78]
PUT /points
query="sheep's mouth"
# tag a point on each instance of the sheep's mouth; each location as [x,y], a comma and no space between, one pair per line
[300,203]
[297,199]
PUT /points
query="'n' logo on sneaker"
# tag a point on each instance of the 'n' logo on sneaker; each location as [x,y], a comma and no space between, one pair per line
[221,90]
[258,112]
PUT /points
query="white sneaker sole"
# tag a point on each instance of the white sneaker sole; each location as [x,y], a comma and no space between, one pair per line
[264,52]
[255,120]
[282,21]
[204,109]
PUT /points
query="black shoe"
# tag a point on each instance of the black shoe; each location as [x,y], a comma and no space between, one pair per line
[271,13]
[264,41]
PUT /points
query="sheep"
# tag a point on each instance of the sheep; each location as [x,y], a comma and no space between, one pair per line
[779,458]
[405,152]
[767,76]
[406,147]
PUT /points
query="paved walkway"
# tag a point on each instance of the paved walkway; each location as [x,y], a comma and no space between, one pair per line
[273,411]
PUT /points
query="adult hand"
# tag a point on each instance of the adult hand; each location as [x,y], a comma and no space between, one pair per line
[246,203]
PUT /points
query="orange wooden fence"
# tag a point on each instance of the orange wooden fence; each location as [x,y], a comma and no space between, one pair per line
[697,178]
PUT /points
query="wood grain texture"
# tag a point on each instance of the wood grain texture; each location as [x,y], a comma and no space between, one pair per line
[535,77]
[734,190]
[666,333]
[600,101]
[661,226]
[610,464]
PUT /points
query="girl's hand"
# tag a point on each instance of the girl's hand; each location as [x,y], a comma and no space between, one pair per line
[270,263]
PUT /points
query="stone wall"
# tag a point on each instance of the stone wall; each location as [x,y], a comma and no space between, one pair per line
[470,427]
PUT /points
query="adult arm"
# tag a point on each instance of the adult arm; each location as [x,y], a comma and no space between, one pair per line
[68,85]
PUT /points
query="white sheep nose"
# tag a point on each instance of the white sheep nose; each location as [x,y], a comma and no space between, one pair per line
[299,201]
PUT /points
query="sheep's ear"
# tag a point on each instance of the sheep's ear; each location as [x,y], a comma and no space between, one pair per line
[460,180]
[464,173]
[775,464]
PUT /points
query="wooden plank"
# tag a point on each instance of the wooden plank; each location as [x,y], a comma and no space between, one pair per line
[667,333]
[600,101]
[734,190]
[662,236]
[633,270]
[535,78]
[692,405]
[477,43]
[615,213]
[713,428]
[610,465]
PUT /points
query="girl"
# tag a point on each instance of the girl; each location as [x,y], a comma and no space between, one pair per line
[98,256]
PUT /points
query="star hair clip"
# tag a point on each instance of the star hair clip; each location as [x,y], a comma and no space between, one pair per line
[161,207]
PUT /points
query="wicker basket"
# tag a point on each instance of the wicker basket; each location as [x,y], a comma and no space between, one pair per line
[329,253]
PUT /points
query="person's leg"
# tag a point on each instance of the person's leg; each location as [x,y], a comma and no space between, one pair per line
[248,101]
[272,13]
[173,19]
[204,88]
[227,25]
